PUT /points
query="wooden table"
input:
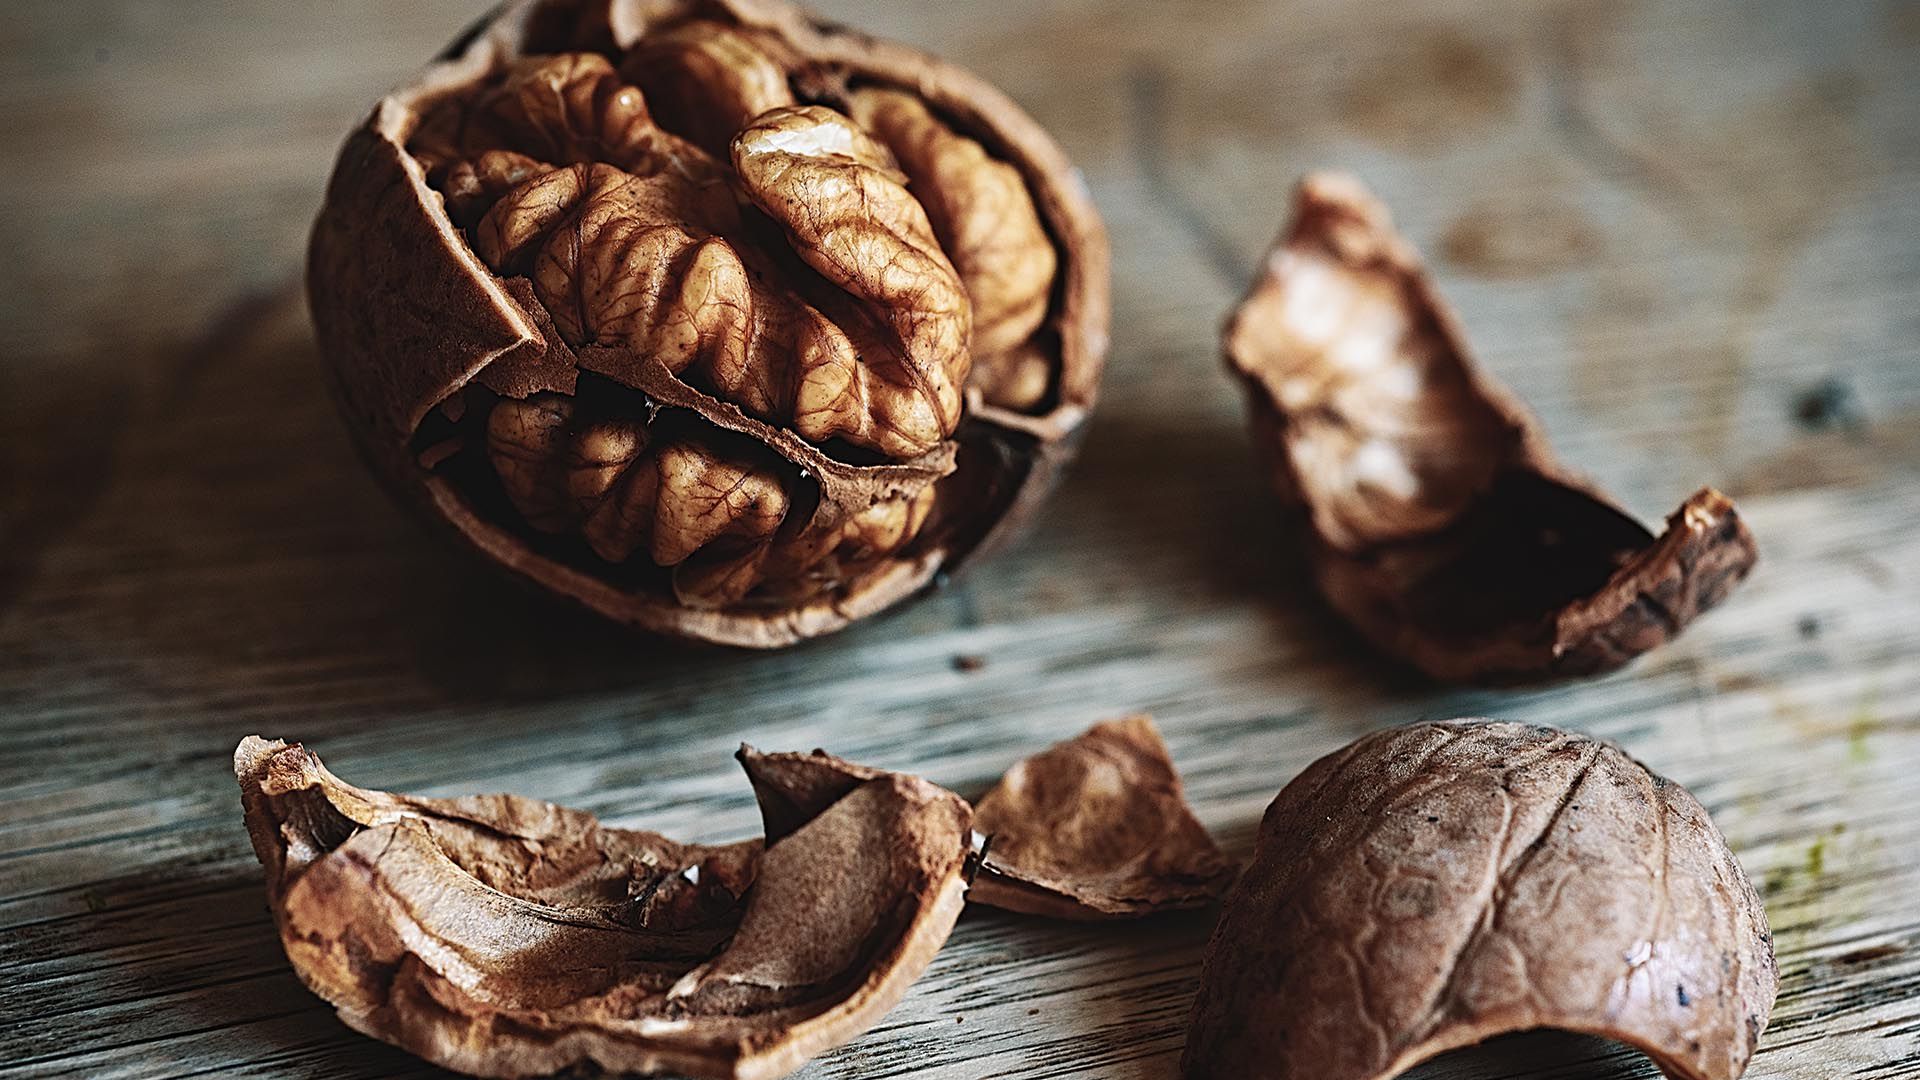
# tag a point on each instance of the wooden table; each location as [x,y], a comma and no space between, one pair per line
[1687,233]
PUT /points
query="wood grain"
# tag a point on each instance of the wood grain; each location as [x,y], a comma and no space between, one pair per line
[1688,234]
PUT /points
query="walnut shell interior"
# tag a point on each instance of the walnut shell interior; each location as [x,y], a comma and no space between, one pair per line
[1096,827]
[503,936]
[1433,885]
[1436,518]
[717,319]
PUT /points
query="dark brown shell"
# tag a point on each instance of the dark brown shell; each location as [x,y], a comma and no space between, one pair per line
[503,936]
[408,316]
[1097,827]
[1435,516]
[1431,886]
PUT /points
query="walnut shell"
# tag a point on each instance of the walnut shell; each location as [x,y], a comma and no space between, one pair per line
[1433,885]
[507,937]
[1097,827]
[1434,515]
[721,321]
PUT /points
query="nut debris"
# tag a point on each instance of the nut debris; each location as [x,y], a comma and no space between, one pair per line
[1433,885]
[507,937]
[1435,517]
[1096,827]
[718,320]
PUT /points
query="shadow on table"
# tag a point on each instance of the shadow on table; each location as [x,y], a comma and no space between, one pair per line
[207,524]
[1539,1055]
[1187,504]
[1033,997]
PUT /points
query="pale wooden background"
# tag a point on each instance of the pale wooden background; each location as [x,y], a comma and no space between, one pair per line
[1688,233]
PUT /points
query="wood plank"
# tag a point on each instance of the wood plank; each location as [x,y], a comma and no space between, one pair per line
[1669,226]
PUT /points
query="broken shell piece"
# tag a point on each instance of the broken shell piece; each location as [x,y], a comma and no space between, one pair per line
[1096,827]
[1436,518]
[792,789]
[508,937]
[1431,886]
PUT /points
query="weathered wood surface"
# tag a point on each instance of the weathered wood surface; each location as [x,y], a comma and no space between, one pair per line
[1689,234]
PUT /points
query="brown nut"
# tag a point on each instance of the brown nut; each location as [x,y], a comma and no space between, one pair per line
[720,321]
[1431,886]
[987,224]
[508,937]
[1435,517]
[1096,827]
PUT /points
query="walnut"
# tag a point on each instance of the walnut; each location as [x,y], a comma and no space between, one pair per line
[1434,885]
[709,80]
[504,936]
[719,321]
[980,209]
[1435,516]
[566,109]
[508,937]
[1096,827]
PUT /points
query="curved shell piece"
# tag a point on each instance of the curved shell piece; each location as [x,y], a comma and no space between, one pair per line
[1097,827]
[508,937]
[1433,885]
[1436,518]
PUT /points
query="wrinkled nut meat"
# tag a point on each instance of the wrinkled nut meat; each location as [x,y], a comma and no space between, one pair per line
[508,937]
[1096,828]
[1434,514]
[1431,886]
[721,321]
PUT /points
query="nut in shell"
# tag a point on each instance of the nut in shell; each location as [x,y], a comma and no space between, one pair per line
[1430,886]
[1434,514]
[718,320]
